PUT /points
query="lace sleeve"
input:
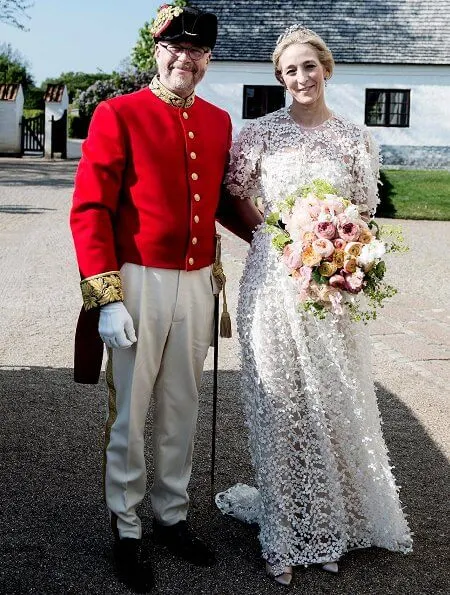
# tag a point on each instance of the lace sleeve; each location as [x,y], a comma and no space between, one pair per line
[243,176]
[366,172]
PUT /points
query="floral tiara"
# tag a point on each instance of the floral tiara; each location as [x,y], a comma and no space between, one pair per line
[293,29]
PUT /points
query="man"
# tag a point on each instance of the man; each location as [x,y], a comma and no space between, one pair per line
[143,221]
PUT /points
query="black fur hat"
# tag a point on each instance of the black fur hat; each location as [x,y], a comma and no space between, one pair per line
[175,24]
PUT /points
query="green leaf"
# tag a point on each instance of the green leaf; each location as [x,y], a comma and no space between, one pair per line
[273,218]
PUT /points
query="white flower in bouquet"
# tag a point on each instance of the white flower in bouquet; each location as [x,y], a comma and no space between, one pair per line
[371,253]
[352,213]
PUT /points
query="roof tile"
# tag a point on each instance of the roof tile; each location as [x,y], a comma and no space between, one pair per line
[364,31]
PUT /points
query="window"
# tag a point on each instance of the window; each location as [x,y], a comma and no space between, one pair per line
[386,107]
[260,100]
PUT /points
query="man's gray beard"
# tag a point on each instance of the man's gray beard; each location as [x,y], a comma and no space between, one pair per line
[184,84]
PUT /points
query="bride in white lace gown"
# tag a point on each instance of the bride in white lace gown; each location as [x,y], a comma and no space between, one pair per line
[324,481]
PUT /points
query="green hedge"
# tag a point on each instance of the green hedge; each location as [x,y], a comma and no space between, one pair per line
[78,126]
[32,113]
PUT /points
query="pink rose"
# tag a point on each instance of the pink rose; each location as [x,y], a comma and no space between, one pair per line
[323,247]
[337,281]
[304,278]
[354,282]
[325,229]
[306,275]
[292,255]
[339,243]
[303,295]
[348,231]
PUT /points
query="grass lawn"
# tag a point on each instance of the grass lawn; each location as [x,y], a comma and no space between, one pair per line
[415,194]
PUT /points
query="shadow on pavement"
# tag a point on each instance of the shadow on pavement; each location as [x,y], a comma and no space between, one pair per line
[39,172]
[55,536]
[23,209]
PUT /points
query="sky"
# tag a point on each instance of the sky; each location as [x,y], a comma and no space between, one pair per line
[79,35]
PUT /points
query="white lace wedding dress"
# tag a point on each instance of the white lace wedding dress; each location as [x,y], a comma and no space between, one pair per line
[322,470]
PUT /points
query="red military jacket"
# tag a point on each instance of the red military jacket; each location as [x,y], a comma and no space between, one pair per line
[146,191]
[147,187]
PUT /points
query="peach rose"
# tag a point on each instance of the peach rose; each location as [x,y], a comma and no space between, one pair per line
[310,257]
[365,237]
[350,265]
[338,258]
[327,269]
[353,249]
[308,237]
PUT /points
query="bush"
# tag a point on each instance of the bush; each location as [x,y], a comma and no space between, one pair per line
[34,98]
[32,113]
[77,126]
[118,84]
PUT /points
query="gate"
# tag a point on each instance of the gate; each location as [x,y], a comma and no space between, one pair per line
[33,135]
[59,136]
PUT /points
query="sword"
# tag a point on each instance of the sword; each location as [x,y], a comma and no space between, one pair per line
[214,411]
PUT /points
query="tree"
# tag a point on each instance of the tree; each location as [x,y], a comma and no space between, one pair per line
[143,53]
[12,12]
[13,67]
[117,84]
[76,82]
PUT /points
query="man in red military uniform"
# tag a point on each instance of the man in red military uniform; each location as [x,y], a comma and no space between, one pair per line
[143,221]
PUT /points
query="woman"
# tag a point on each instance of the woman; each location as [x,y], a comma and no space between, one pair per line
[324,480]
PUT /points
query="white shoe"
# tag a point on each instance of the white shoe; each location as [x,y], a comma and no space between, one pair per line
[331,567]
[284,579]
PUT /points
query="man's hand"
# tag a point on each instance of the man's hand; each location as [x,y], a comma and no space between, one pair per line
[116,327]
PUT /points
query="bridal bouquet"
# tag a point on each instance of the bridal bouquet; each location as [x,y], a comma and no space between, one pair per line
[331,252]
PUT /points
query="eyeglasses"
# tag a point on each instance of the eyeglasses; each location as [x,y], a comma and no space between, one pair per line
[193,53]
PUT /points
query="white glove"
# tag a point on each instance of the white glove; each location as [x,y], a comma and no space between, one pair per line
[115,326]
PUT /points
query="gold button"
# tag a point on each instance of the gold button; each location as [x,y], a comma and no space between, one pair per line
[194,176]
[191,134]
[185,115]
[191,261]
[194,241]
[196,219]
[193,155]
[196,197]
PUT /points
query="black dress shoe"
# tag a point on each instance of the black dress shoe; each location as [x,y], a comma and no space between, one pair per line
[130,568]
[180,541]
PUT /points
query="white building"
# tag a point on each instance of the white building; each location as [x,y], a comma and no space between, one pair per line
[392,67]
[11,110]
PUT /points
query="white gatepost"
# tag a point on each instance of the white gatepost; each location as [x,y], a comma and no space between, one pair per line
[56,101]
[11,111]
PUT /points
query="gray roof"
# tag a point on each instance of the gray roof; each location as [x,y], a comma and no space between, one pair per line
[364,31]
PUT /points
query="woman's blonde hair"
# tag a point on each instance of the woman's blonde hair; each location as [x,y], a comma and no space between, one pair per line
[300,34]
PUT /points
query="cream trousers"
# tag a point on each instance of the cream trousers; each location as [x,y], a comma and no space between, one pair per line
[173,316]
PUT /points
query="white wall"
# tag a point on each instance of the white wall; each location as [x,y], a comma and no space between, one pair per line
[429,85]
[10,118]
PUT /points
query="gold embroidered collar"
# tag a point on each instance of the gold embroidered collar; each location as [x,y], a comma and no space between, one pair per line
[167,96]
